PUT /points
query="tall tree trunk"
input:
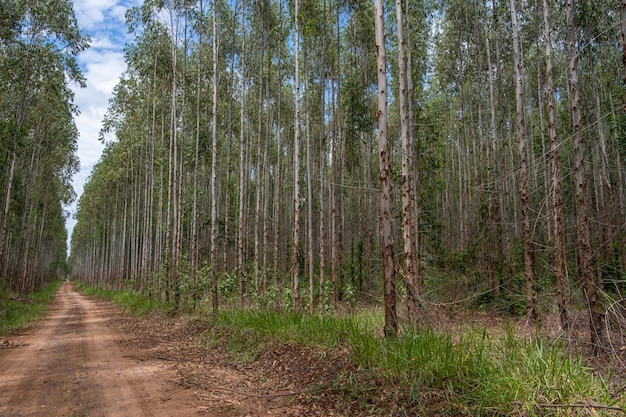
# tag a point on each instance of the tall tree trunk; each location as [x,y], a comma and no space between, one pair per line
[583,245]
[622,16]
[558,222]
[277,184]
[411,278]
[295,268]
[242,174]
[495,215]
[309,197]
[322,214]
[531,298]
[336,188]
[386,232]
[258,184]
[213,245]
[194,210]
[5,215]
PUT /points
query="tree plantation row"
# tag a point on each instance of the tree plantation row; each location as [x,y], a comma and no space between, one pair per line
[39,42]
[259,151]
[295,154]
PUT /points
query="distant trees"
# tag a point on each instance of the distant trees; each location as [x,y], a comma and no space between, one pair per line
[38,48]
[264,151]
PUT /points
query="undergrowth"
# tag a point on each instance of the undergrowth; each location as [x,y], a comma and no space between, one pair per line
[472,373]
[128,300]
[16,313]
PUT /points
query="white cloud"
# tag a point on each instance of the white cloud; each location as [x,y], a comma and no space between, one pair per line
[90,13]
[102,65]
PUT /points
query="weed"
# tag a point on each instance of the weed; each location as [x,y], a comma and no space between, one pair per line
[128,300]
[15,313]
[466,374]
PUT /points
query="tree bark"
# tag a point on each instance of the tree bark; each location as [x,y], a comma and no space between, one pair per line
[213,244]
[558,222]
[411,278]
[386,233]
[531,298]
[295,268]
[242,174]
[583,245]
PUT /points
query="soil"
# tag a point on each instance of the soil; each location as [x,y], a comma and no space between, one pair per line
[87,358]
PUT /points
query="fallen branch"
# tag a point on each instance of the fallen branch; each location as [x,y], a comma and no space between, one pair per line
[598,406]
[163,358]
[188,381]
[250,394]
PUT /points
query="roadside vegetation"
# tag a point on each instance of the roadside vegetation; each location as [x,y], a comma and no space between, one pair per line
[16,313]
[127,300]
[470,369]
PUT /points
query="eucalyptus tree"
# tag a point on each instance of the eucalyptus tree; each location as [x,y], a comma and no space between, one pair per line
[558,221]
[386,237]
[523,177]
[295,251]
[583,244]
[622,16]
[39,43]
[213,246]
[242,158]
[409,231]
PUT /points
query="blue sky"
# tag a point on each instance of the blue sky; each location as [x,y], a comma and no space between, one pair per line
[102,64]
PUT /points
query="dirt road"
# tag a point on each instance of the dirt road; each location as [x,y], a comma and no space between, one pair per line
[73,363]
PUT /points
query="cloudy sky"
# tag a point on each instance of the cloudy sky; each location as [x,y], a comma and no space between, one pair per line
[102,64]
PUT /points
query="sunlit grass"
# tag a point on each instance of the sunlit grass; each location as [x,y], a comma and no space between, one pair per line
[15,314]
[473,373]
[131,301]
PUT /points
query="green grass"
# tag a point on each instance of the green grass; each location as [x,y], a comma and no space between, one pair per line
[15,314]
[131,301]
[470,373]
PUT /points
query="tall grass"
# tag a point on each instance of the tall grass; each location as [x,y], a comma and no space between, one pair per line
[472,373]
[15,314]
[131,301]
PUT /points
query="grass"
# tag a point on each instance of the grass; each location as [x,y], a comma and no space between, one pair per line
[16,313]
[471,373]
[131,301]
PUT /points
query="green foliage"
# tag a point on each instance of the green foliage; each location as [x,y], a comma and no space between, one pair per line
[39,43]
[227,284]
[16,313]
[471,371]
[129,300]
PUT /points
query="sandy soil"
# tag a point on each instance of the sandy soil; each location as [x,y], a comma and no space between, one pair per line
[86,358]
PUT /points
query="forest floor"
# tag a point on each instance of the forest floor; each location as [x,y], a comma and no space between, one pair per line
[87,358]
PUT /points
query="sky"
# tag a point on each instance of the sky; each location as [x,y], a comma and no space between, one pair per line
[102,64]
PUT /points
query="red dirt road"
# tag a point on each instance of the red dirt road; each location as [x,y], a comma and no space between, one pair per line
[74,363]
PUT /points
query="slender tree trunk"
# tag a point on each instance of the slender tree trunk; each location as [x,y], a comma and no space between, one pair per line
[213,245]
[242,174]
[322,188]
[622,16]
[386,232]
[523,186]
[492,159]
[583,245]
[258,185]
[558,222]
[309,192]
[5,214]
[295,268]
[338,175]
[194,210]
[411,278]
[229,135]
